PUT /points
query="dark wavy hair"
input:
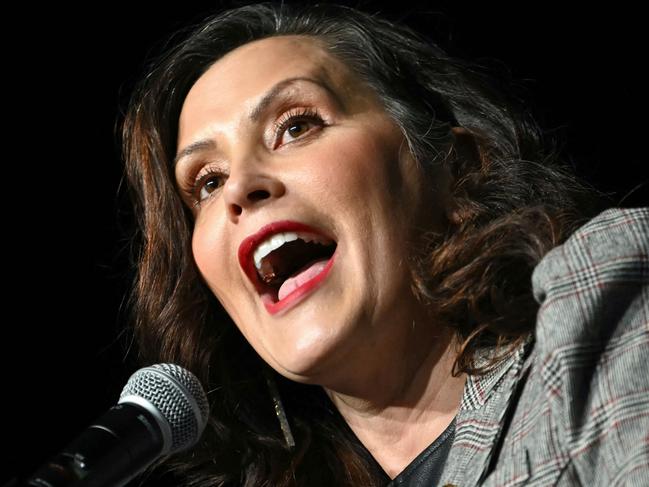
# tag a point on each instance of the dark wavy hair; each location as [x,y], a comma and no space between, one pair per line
[512,201]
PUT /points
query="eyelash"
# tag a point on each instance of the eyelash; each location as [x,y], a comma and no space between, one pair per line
[193,188]
[310,114]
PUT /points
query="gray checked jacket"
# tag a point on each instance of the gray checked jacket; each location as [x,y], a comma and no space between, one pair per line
[571,406]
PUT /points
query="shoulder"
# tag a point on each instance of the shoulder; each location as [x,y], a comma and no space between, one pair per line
[592,344]
[593,288]
[606,248]
[571,407]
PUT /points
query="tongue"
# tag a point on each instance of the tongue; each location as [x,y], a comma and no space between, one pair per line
[305,274]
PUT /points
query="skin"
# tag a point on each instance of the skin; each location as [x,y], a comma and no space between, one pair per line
[361,334]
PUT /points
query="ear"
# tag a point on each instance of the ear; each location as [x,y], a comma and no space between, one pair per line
[466,151]
[464,156]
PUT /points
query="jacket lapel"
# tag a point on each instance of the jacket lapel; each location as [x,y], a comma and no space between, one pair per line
[483,411]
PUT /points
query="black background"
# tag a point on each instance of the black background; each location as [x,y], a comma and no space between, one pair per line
[68,72]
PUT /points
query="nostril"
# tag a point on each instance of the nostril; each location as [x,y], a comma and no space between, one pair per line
[259,194]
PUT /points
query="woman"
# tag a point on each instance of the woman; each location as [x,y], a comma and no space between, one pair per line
[339,226]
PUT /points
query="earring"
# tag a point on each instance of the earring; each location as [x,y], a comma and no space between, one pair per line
[279,408]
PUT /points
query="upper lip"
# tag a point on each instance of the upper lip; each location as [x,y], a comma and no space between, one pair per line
[250,243]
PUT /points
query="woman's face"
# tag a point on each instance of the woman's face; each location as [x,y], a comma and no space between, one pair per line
[318,160]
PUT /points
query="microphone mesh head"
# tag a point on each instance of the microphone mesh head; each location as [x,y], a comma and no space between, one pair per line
[179,397]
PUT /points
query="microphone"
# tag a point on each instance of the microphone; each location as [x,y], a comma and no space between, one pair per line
[162,410]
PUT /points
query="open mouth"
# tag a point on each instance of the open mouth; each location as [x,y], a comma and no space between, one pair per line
[286,265]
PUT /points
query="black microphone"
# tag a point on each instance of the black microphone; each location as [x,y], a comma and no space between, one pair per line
[162,410]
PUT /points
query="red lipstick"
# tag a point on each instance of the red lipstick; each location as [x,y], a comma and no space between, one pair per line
[246,261]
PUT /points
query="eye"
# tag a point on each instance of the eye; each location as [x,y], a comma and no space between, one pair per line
[296,122]
[204,185]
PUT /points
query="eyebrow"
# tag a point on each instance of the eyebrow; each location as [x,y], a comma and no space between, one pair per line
[255,114]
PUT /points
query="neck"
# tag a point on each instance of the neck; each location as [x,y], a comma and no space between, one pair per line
[405,403]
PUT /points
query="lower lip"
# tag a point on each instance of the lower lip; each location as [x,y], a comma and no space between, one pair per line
[298,294]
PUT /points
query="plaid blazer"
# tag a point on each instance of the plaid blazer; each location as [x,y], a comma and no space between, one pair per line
[571,406]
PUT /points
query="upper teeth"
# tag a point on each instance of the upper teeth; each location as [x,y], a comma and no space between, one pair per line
[279,239]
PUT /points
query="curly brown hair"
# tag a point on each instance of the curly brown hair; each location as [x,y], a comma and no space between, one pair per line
[512,201]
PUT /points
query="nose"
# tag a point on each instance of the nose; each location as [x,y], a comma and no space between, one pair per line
[249,189]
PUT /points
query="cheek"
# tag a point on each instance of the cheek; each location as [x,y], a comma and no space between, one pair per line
[214,265]
[363,172]
[211,259]
[208,248]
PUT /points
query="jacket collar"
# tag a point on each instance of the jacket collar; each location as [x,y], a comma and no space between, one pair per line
[479,423]
[478,389]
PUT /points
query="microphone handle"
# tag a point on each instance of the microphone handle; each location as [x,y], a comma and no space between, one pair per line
[109,453]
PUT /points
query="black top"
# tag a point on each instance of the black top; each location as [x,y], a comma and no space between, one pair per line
[427,467]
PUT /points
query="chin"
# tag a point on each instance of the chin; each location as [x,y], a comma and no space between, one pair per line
[309,356]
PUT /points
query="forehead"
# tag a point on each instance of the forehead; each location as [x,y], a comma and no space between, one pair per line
[236,81]
[262,62]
